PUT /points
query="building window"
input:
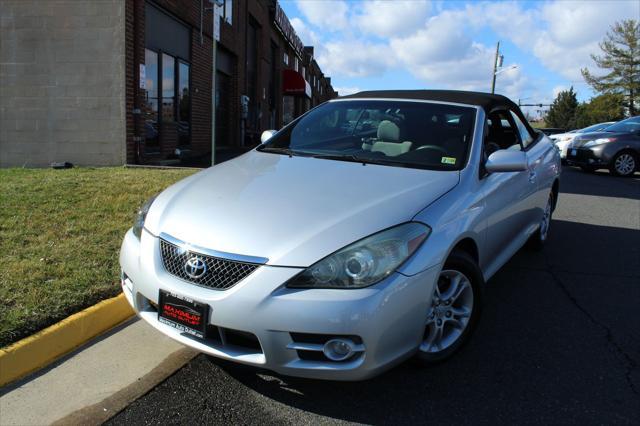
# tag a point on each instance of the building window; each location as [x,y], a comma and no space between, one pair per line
[168,88]
[252,78]
[184,104]
[227,12]
[286,59]
[303,71]
[167,97]
[295,63]
[273,84]
[150,107]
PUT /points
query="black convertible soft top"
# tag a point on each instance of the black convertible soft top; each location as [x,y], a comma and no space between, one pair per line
[486,101]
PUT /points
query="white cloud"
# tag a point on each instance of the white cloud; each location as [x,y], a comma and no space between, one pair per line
[438,43]
[354,58]
[561,34]
[330,15]
[574,30]
[344,91]
[442,39]
[308,36]
[392,18]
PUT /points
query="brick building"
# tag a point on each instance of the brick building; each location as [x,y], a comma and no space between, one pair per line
[108,82]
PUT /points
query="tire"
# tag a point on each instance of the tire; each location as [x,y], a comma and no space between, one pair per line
[467,302]
[587,169]
[624,164]
[539,238]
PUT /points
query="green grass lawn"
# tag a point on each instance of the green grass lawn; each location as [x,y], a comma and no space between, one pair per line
[60,234]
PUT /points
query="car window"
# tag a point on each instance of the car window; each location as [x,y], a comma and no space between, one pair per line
[525,137]
[630,125]
[594,128]
[500,134]
[396,133]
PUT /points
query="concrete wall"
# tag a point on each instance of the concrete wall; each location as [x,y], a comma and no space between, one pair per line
[62,82]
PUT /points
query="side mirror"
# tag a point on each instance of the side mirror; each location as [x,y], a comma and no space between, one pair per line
[506,160]
[266,135]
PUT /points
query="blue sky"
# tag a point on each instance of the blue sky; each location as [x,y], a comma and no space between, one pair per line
[386,44]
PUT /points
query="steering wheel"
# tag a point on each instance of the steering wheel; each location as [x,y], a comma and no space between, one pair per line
[434,148]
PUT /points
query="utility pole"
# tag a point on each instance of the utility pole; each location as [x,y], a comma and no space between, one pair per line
[495,69]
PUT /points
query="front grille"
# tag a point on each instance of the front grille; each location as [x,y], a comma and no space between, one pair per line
[220,274]
[583,155]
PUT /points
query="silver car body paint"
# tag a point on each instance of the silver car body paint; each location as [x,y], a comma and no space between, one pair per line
[291,212]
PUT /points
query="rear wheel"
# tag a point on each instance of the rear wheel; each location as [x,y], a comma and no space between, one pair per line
[624,164]
[454,310]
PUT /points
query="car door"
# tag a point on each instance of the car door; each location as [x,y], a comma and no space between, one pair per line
[540,179]
[507,195]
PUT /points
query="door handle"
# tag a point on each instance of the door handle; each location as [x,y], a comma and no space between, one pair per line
[532,176]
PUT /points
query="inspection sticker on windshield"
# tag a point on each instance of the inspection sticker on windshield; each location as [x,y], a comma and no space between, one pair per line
[448,160]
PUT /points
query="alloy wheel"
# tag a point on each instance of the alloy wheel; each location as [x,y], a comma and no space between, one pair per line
[546,220]
[625,164]
[449,313]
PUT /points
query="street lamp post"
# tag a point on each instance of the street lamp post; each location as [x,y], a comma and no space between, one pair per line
[497,67]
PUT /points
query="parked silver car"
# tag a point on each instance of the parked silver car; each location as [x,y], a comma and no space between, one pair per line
[356,237]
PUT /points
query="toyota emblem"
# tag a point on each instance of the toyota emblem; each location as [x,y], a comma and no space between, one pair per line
[195,267]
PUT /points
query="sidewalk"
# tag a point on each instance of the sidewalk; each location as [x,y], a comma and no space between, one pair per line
[96,381]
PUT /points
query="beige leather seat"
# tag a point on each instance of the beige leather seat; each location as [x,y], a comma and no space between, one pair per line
[388,139]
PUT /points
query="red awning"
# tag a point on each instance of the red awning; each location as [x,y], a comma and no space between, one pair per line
[294,84]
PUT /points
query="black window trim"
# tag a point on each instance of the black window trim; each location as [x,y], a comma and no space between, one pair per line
[535,136]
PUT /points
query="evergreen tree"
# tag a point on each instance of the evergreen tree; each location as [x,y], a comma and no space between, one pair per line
[621,57]
[607,107]
[562,113]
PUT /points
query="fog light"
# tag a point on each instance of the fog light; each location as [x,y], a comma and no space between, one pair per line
[338,349]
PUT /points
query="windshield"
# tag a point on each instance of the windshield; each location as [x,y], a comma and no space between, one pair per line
[594,128]
[630,125]
[395,133]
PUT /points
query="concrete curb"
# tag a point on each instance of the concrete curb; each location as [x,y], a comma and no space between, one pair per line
[44,347]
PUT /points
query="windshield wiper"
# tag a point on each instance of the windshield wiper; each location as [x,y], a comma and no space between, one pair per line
[369,160]
[347,157]
[278,150]
[355,159]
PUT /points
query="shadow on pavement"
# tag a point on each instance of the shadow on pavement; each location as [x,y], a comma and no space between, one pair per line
[539,354]
[600,183]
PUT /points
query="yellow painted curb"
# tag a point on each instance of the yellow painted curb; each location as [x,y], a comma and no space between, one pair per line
[36,351]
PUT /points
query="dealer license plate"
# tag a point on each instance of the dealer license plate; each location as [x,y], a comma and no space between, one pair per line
[183,313]
[574,152]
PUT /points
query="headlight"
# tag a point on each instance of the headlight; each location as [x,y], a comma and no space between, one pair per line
[141,216]
[364,262]
[599,141]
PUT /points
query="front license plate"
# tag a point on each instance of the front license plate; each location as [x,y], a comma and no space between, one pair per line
[574,152]
[183,313]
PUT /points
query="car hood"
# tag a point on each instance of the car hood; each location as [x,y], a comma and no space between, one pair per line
[292,210]
[559,136]
[583,138]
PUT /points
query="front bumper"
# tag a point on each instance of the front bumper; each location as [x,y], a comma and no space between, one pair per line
[562,147]
[597,156]
[387,318]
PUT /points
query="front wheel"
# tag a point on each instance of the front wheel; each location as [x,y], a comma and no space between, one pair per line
[537,240]
[454,310]
[624,164]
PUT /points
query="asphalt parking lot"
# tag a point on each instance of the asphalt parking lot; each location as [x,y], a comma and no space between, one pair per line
[558,342]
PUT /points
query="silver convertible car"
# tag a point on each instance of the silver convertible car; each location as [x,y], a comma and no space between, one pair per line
[358,236]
